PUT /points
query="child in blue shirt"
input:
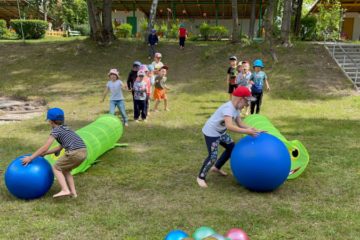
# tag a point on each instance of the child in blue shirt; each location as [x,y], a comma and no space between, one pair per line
[115,86]
[257,80]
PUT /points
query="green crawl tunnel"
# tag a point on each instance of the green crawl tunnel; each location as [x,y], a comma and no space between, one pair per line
[298,153]
[99,137]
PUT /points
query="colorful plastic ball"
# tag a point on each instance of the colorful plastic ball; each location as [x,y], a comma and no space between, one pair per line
[203,232]
[176,235]
[260,163]
[31,181]
[237,234]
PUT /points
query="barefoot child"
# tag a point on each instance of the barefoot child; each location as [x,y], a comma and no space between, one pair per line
[231,75]
[215,132]
[75,152]
[243,79]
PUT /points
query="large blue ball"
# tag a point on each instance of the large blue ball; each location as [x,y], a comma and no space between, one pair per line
[31,181]
[260,163]
[176,235]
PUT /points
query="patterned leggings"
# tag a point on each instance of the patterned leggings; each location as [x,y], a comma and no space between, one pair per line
[212,144]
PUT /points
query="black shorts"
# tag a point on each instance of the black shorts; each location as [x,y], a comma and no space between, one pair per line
[232,87]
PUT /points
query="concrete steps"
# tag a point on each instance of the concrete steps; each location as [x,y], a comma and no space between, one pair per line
[347,56]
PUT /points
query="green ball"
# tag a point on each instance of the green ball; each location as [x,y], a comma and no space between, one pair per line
[203,232]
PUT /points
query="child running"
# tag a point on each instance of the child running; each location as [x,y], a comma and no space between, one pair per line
[215,132]
[75,152]
[115,86]
[160,89]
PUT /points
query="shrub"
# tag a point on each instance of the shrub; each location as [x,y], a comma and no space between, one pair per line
[308,28]
[161,30]
[174,30]
[124,30]
[2,27]
[33,29]
[218,31]
[84,29]
[205,30]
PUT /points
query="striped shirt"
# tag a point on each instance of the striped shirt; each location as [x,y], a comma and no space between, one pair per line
[67,138]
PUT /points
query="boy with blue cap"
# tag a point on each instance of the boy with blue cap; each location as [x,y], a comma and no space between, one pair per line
[75,152]
[257,80]
[152,42]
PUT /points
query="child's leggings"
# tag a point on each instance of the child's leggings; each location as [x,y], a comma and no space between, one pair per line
[212,144]
[256,103]
[140,108]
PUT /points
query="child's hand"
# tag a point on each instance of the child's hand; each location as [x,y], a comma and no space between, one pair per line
[251,82]
[26,160]
[268,88]
[253,132]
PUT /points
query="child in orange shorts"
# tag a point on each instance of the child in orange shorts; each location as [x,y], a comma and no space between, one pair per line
[160,89]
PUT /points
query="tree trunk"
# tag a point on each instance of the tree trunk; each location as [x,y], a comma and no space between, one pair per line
[297,24]
[286,23]
[252,19]
[235,32]
[268,24]
[107,31]
[151,22]
[45,9]
[94,21]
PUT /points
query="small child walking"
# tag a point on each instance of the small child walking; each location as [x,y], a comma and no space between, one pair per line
[243,79]
[115,86]
[157,63]
[160,89]
[75,152]
[231,75]
[140,97]
[152,42]
[257,80]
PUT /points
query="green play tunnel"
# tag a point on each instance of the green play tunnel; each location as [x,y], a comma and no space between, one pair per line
[99,137]
[298,153]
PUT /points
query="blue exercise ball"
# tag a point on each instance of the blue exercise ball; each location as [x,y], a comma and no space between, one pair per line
[176,235]
[31,181]
[260,163]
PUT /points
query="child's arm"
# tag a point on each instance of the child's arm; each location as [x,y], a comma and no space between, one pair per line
[53,150]
[43,149]
[229,125]
[267,84]
[105,93]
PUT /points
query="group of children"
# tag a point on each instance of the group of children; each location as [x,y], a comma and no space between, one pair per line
[140,82]
[239,74]
[245,89]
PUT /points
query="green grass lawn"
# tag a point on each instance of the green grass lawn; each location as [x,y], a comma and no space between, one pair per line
[147,189]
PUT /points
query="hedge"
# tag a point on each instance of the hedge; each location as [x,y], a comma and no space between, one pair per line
[33,29]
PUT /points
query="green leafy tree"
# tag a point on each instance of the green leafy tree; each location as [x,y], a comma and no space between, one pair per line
[329,18]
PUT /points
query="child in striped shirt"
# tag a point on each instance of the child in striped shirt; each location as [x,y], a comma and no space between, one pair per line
[75,152]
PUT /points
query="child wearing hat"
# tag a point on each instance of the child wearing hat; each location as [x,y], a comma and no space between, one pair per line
[257,80]
[75,152]
[115,86]
[140,88]
[160,89]
[182,35]
[215,133]
[157,63]
[152,42]
[243,79]
[231,75]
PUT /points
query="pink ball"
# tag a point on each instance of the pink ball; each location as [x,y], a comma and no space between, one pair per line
[237,234]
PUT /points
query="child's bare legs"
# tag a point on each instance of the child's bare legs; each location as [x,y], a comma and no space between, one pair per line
[156,105]
[70,181]
[165,105]
[62,181]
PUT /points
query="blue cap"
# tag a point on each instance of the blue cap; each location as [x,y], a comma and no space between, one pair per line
[153,31]
[55,114]
[258,63]
[150,67]
[137,63]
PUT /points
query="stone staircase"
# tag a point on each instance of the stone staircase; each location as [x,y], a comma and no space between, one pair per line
[347,56]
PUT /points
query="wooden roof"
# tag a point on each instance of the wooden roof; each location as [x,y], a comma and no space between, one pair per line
[191,8]
[349,5]
[9,9]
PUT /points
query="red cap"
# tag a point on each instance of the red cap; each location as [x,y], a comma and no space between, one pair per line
[243,92]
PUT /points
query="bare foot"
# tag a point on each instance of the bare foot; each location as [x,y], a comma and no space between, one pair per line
[74,195]
[166,109]
[155,110]
[219,171]
[201,183]
[126,124]
[61,194]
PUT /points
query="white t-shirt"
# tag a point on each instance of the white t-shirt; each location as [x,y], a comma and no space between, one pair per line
[115,89]
[215,125]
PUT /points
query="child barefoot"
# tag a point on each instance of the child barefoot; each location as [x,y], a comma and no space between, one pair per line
[75,152]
